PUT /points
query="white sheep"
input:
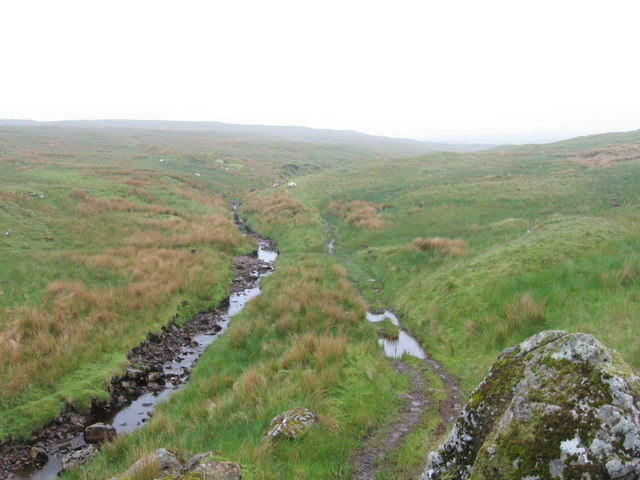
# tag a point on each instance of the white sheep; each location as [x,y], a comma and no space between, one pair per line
[291,184]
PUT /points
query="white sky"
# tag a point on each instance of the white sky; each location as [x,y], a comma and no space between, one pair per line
[481,70]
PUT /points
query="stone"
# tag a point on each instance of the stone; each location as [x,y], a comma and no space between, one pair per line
[292,425]
[557,406]
[219,471]
[39,455]
[99,432]
[154,376]
[196,460]
[134,373]
[78,457]
[163,461]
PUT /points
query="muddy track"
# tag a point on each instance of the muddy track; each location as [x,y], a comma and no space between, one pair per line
[368,458]
[372,454]
[143,375]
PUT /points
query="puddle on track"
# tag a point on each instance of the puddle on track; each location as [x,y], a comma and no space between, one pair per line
[132,416]
[405,342]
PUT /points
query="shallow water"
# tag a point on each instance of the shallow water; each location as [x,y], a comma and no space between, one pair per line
[132,416]
[405,343]
[330,245]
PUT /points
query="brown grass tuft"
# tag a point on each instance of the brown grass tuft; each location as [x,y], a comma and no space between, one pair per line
[444,246]
[279,209]
[238,335]
[359,213]
[606,157]
[525,311]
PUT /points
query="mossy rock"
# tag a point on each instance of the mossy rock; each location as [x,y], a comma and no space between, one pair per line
[557,406]
[292,425]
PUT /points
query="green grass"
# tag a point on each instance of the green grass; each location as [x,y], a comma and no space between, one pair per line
[121,240]
[475,251]
[88,272]
[303,342]
[462,307]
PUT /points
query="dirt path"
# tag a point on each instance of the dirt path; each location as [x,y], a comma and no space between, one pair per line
[368,459]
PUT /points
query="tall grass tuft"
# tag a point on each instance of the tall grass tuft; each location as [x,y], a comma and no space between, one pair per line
[443,246]
[359,213]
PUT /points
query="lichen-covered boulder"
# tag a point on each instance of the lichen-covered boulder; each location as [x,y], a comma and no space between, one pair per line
[292,425]
[159,464]
[218,471]
[557,406]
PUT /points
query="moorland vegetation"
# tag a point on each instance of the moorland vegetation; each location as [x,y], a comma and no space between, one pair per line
[476,252]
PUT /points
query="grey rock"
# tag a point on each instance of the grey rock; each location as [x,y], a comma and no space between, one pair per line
[133,373]
[164,463]
[39,455]
[196,460]
[293,424]
[154,376]
[219,471]
[78,457]
[556,406]
[99,432]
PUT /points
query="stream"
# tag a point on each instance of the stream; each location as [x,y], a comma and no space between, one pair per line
[174,372]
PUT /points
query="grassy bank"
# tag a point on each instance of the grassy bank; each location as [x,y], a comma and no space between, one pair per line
[479,251]
[88,272]
[109,230]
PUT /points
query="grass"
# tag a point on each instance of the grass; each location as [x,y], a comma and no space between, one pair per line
[386,329]
[119,242]
[444,246]
[479,250]
[80,292]
[476,251]
[303,342]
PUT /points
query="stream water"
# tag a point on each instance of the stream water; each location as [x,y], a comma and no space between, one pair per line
[405,342]
[132,416]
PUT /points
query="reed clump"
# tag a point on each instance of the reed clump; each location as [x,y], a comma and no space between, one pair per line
[359,213]
[445,246]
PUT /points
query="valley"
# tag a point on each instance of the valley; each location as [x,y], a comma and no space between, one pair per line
[112,231]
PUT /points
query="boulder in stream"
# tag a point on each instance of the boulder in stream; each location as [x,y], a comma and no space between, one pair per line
[292,425]
[99,432]
[38,455]
[557,406]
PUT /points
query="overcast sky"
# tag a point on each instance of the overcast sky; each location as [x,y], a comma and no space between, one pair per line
[481,70]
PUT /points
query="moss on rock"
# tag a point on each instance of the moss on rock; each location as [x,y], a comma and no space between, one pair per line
[557,406]
[292,425]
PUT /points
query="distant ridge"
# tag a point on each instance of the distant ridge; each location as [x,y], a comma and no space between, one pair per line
[584,142]
[282,132]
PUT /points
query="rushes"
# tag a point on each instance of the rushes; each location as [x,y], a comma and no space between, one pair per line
[359,213]
[279,209]
[524,316]
[443,246]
